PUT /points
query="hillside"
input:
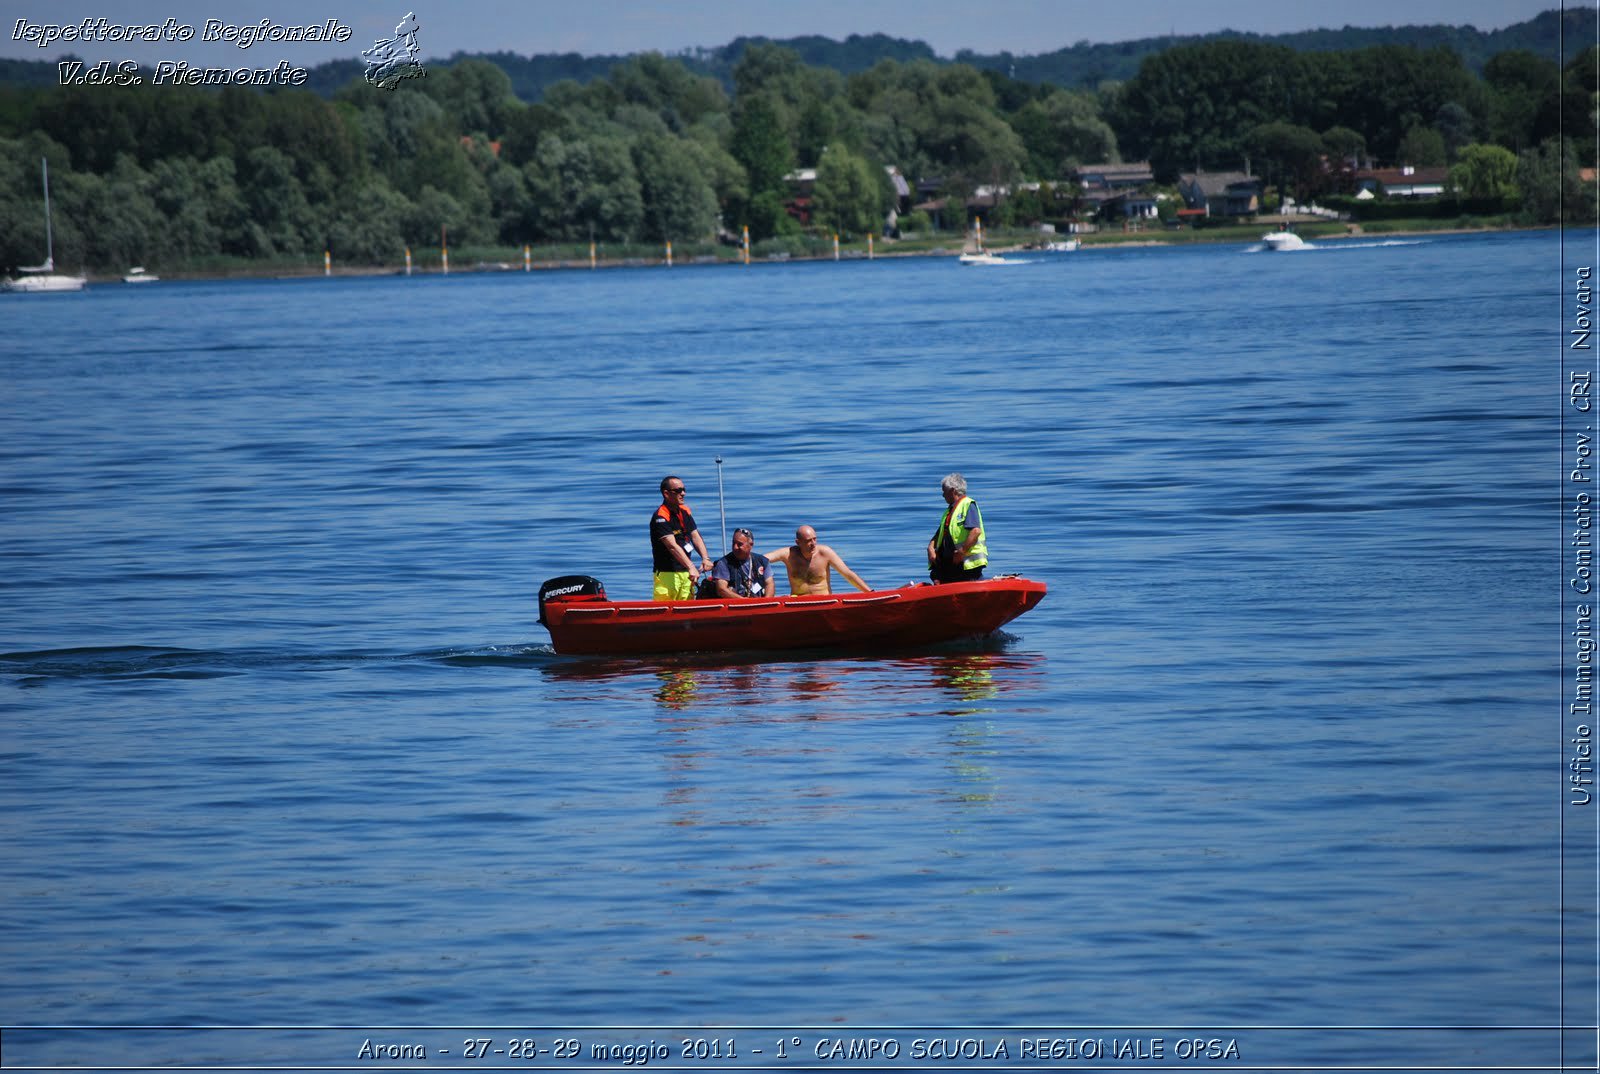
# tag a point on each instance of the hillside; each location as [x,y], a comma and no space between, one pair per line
[1085,65]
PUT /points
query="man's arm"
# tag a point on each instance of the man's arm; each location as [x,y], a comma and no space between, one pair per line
[722,579]
[680,555]
[973,534]
[850,576]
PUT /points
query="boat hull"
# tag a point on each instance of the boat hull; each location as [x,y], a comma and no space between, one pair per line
[1283,240]
[913,615]
[43,283]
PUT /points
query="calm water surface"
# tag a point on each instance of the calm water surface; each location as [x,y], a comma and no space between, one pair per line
[284,745]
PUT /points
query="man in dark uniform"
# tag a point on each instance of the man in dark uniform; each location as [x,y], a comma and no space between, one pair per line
[742,573]
[673,536]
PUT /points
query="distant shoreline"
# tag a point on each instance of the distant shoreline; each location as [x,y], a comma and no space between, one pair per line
[1091,244]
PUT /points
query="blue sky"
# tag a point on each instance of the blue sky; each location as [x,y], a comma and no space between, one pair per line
[622,26]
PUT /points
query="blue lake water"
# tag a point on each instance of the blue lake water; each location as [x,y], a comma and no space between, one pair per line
[284,745]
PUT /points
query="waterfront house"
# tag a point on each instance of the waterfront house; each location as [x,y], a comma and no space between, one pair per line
[1403,182]
[1221,194]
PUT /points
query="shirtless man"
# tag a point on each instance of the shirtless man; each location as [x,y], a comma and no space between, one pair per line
[808,563]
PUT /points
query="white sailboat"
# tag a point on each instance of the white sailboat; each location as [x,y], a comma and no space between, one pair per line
[35,278]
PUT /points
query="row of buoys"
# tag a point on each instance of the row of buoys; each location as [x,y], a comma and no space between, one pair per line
[527,255]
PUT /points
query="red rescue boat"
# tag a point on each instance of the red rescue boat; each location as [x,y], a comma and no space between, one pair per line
[582,621]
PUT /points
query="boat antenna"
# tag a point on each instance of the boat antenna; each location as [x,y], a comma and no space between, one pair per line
[722,509]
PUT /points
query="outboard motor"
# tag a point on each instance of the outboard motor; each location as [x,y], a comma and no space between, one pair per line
[569,585]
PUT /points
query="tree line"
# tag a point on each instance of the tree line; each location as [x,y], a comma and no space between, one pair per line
[655,151]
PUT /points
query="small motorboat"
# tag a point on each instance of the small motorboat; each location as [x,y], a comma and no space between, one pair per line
[1283,239]
[582,621]
[139,275]
[976,254]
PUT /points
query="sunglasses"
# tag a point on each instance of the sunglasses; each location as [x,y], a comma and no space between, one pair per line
[676,491]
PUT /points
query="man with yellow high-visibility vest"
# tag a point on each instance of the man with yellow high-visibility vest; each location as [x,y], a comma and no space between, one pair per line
[957,552]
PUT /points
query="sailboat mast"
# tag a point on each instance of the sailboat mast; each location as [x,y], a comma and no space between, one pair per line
[49,244]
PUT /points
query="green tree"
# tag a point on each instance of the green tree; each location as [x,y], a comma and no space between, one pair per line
[973,145]
[394,126]
[1485,172]
[437,217]
[779,73]
[760,144]
[94,125]
[279,220]
[1028,204]
[1422,147]
[890,127]
[583,188]
[1580,102]
[706,141]
[817,127]
[1385,92]
[809,103]
[934,121]
[201,206]
[850,194]
[524,128]
[510,202]
[1552,190]
[636,121]
[22,215]
[1192,106]
[1455,126]
[1524,98]
[311,132]
[762,149]
[678,96]
[1291,156]
[1344,144]
[367,224]
[441,161]
[1062,131]
[120,220]
[475,94]
[180,122]
[678,201]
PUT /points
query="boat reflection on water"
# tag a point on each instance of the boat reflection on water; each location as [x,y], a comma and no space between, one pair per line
[752,682]
[736,688]
[975,687]
[966,678]
[756,741]
[677,689]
